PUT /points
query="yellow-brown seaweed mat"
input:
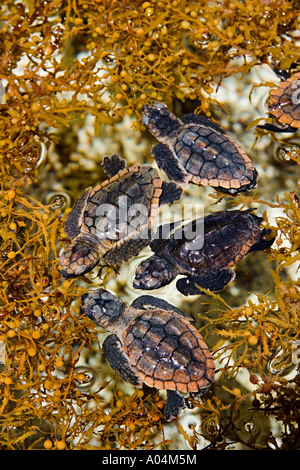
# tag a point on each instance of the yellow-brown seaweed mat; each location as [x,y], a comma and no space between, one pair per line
[60,62]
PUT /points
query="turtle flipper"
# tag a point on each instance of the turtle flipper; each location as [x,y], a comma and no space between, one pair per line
[72,225]
[262,244]
[202,121]
[123,252]
[112,164]
[162,236]
[277,127]
[213,279]
[113,351]
[166,162]
[283,74]
[145,302]
[170,193]
[174,405]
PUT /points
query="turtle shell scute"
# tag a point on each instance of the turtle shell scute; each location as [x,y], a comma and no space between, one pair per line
[212,157]
[133,188]
[284,102]
[169,354]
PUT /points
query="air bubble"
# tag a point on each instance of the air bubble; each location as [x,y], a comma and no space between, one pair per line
[249,426]
[43,155]
[285,154]
[58,200]
[86,378]
[110,60]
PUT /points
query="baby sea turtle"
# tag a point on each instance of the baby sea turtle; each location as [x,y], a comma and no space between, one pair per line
[284,104]
[153,343]
[197,150]
[114,220]
[204,250]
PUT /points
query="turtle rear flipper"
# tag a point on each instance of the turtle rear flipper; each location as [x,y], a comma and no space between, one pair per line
[174,405]
[169,164]
[113,164]
[170,193]
[262,243]
[213,279]
[112,350]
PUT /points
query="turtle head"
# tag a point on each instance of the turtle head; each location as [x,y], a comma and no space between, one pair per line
[153,273]
[79,258]
[102,307]
[159,120]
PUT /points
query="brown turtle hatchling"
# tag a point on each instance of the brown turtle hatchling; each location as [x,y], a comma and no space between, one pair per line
[204,251]
[153,343]
[197,150]
[114,220]
[284,104]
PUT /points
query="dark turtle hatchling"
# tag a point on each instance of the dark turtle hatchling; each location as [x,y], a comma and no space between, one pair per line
[153,343]
[204,250]
[284,104]
[197,150]
[114,220]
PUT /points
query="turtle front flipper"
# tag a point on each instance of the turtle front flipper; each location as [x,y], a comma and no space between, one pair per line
[113,351]
[174,405]
[146,302]
[213,279]
[192,118]
[162,235]
[121,253]
[113,164]
[73,222]
[169,164]
[277,127]
[283,74]
[79,258]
